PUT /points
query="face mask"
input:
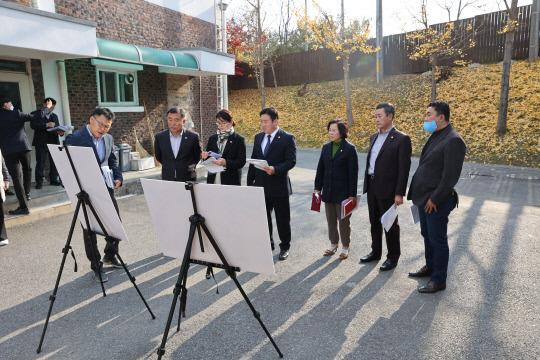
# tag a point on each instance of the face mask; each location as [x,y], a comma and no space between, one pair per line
[11,108]
[431,126]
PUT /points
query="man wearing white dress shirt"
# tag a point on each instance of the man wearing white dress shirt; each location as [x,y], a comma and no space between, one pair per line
[177,149]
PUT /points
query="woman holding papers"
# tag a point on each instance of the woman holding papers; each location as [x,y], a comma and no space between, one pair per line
[229,150]
[337,180]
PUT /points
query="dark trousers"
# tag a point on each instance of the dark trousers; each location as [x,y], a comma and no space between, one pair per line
[3,232]
[283,219]
[90,242]
[434,228]
[377,207]
[41,157]
[21,182]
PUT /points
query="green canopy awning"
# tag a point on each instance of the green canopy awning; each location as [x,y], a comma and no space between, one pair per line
[113,50]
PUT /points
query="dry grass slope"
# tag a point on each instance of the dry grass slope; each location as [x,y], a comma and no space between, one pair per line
[473,95]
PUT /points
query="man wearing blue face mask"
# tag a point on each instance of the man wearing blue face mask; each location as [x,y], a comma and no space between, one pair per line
[432,191]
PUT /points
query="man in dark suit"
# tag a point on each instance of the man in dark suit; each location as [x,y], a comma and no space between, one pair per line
[16,149]
[42,137]
[95,135]
[432,191]
[177,149]
[278,148]
[385,181]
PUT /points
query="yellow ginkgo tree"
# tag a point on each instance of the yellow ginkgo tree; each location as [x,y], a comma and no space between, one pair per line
[435,43]
[325,31]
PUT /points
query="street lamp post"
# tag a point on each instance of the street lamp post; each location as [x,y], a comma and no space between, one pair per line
[225,93]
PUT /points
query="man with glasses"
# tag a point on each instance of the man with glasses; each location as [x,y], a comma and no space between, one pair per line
[177,149]
[95,135]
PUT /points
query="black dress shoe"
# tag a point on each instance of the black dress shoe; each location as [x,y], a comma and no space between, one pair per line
[56,183]
[388,265]
[369,257]
[9,192]
[39,185]
[19,211]
[432,287]
[28,198]
[423,272]
[283,255]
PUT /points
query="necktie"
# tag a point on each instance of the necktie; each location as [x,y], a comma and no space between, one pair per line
[267,145]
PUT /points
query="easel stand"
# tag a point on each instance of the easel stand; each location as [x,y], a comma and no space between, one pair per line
[84,202]
[197,222]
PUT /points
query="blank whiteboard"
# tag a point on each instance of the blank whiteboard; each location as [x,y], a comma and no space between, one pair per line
[90,176]
[234,215]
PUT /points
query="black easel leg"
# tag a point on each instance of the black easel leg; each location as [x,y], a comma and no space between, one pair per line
[177,288]
[232,275]
[65,250]
[183,299]
[132,279]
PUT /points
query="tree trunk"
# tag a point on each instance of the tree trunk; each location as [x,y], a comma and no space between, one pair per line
[261,82]
[505,79]
[350,119]
[433,78]
[273,70]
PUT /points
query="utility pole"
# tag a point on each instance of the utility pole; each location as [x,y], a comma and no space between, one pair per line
[305,43]
[380,44]
[533,38]
[225,85]
[342,15]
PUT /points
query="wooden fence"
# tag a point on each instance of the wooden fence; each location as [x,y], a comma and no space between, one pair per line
[321,65]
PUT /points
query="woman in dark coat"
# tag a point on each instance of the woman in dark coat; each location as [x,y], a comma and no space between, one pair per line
[232,148]
[337,180]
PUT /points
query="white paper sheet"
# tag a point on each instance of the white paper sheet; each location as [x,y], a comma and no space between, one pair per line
[92,182]
[388,218]
[414,214]
[258,163]
[212,168]
[234,215]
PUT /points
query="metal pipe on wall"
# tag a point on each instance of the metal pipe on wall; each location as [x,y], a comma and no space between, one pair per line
[63,91]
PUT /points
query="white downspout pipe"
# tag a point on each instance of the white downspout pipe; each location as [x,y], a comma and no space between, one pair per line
[63,91]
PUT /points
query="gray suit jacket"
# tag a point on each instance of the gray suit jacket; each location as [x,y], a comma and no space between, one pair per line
[439,168]
[4,177]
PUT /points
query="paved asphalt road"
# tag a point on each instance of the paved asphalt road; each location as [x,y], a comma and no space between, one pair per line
[315,307]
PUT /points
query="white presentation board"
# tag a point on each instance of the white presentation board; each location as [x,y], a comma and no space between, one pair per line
[234,215]
[92,182]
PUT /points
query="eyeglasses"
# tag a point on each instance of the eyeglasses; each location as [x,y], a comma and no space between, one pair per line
[102,125]
[221,123]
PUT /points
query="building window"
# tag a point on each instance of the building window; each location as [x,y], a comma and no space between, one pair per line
[117,88]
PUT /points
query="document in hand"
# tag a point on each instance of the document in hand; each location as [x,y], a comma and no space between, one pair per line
[211,167]
[107,176]
[348,206]
[258,163]
[414,213]
[388,218]
[214,155]
[316,202]
[63,128]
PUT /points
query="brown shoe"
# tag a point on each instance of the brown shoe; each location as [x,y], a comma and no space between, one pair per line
[331,250]
[344,253]
[432,287]
[423,272]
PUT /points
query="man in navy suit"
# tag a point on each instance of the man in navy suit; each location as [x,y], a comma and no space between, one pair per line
[16,149]
[278,148]
[385,181]
[95,135]
[177,149]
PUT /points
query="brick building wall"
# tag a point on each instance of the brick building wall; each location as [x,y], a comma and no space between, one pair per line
[21,2]
[140,23]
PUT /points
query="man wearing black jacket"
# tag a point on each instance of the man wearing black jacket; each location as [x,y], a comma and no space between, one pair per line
[16,149]
[432,191]
[42,137]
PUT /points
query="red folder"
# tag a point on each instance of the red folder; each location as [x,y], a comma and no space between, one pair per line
[316,202]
